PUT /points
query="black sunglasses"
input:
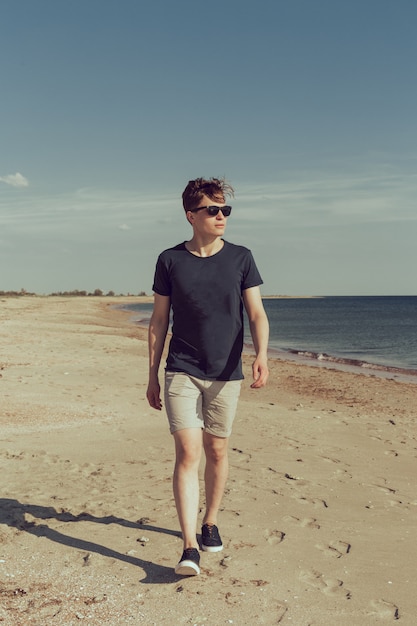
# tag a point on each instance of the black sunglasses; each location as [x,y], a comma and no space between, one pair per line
[213,210]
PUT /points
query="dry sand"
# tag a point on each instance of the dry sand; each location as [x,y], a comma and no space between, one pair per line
[319,518]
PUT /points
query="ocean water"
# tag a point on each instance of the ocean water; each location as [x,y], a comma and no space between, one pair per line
[371,334]
[375,333]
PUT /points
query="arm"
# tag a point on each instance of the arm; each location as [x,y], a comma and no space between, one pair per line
[259,329]
[158,328]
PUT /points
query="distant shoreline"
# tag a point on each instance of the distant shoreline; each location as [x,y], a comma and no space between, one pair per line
[131,298]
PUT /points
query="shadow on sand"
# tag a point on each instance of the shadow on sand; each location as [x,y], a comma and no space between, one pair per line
[13,512]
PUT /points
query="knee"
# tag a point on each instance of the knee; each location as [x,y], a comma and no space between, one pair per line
[216,450]
[188,456]
[188,448]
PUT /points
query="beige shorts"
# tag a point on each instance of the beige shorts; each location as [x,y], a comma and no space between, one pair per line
[194,403]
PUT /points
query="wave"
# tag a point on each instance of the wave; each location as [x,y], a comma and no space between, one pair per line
[346,364]
[328,358]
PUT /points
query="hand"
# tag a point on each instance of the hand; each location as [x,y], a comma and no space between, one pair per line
[260,373]
[153,395]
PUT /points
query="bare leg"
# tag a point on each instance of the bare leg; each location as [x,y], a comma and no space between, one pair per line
[188,448]
[215,476]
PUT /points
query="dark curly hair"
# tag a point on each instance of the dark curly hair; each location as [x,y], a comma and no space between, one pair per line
[214,188]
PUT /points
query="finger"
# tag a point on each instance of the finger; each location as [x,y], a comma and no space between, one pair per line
[157,404]
[155,401]
[260,380]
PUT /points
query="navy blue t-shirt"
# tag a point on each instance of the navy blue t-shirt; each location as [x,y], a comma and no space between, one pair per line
[206,301]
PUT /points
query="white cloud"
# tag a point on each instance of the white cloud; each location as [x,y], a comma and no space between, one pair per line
[15,180]
[124,227]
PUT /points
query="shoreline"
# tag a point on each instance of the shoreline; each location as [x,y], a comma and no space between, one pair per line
[318,519]
[363,368]
[317,359]
[106,318]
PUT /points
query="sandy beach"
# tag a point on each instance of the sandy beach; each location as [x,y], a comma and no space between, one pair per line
[318,520]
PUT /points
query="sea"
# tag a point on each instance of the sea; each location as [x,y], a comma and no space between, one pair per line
[373,335]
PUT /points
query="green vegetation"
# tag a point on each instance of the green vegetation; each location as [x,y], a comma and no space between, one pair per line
[74,293]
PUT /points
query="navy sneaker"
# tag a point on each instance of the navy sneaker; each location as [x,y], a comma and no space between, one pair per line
[210,538]
[189,564]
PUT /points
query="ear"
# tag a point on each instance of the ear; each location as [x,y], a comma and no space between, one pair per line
[190,217]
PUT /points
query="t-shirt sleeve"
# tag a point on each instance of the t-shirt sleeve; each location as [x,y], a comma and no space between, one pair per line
[251,277]
[161,283]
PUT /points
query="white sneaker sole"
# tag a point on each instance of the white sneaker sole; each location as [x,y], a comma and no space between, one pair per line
[212,548]
[187,568]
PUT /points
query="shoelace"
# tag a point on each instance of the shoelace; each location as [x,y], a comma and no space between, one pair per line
[210,530]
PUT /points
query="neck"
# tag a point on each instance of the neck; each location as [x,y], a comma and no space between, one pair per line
[204,247]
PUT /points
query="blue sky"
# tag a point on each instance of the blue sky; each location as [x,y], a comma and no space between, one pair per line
[307,107]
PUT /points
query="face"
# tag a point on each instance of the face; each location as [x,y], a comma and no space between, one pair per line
[206,224]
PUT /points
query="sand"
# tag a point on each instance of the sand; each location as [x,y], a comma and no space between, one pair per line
[318,520]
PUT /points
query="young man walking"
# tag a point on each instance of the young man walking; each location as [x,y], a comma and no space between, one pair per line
[206,281]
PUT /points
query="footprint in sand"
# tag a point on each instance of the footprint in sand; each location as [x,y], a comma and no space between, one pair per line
[340,470]
[385,489]
[43,608]
[336,548]
[329,586]
[274,536]
[307,522]
[17,456]
[385,610]
[391,452]
[48,609]
[291,444]
[331,460]
[316,502]
[389,491]
[280,613]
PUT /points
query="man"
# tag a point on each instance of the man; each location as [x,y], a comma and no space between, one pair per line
[205,281]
